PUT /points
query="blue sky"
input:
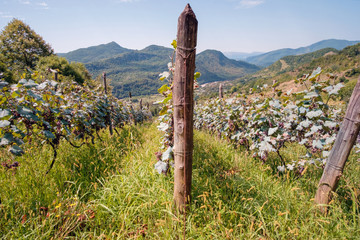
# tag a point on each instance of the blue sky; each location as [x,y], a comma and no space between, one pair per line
[226,25]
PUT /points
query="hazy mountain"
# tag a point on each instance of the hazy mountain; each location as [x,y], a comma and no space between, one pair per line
[95,53]
[240,55]
[137,71]
[269,58]
[343,64]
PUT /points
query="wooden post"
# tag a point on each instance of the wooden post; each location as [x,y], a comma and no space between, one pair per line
[108,117]
[183,97]
[140,104]
[220,91]
[344,142]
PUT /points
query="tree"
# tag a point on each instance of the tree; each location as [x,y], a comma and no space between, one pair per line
[21,46]
[67,71]
[5,73]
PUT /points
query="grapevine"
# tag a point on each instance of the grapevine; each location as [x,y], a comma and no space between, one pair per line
[267,123]
[49,112]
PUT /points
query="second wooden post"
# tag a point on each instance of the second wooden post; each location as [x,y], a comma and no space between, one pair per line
[183,98]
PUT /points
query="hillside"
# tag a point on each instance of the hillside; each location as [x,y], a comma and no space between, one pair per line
[137,71]
[94,53]
[344,64]
[214,66]
[269,58]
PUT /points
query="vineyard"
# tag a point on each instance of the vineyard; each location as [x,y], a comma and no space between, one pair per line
[78,163]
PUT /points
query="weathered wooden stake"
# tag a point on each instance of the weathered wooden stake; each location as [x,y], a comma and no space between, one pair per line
[220,91]
[108,117]
[183,97]
[344,142]
[140,104]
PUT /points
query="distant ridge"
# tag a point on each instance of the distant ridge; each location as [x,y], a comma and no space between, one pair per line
[269,58]
[94,53]
[137,71]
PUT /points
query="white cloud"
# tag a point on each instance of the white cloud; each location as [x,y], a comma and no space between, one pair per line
[43,5]
[250,3]
[26,2]
[5,15]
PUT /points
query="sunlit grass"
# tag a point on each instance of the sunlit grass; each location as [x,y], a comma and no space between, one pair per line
[111,190]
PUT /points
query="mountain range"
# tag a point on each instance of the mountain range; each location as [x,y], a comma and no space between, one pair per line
[266,59]
[137,71]
[343,65]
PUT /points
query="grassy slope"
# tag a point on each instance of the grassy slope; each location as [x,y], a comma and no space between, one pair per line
[234,197]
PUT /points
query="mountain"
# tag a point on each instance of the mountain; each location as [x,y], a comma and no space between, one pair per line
[215,66]
[269,58]
[343,64]
[137,71]
[240,55]
[95,53]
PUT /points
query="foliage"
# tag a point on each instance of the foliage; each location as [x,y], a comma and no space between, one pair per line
[50,111]
[67,71]
[21,46]
[266,124]
[6,74]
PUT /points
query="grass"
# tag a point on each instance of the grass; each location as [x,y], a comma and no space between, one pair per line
[110,190]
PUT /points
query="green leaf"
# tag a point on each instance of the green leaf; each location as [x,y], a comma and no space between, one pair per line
[163,88]
[163,111]
[16,150]
[197,75]
[7,139]
[48,134]
[174,44]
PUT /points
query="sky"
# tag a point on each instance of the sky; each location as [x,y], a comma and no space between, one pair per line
[224,25]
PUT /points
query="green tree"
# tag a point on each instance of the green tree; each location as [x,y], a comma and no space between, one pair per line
[21,46]
[5,73]
[67,71]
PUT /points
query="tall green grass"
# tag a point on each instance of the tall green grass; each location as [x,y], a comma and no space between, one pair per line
[110,190]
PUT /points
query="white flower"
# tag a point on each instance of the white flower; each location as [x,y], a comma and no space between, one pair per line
[163,126]
[167,154]
[325,154]
[272,130]
[275,104]
[330,139]
[164,75]
[281,168]
[313,114]
[266,145]
[330,124]
[290,166]
[161,167]
[311,95]
[336,88]
[305,123]
[318,144]
[302,110]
